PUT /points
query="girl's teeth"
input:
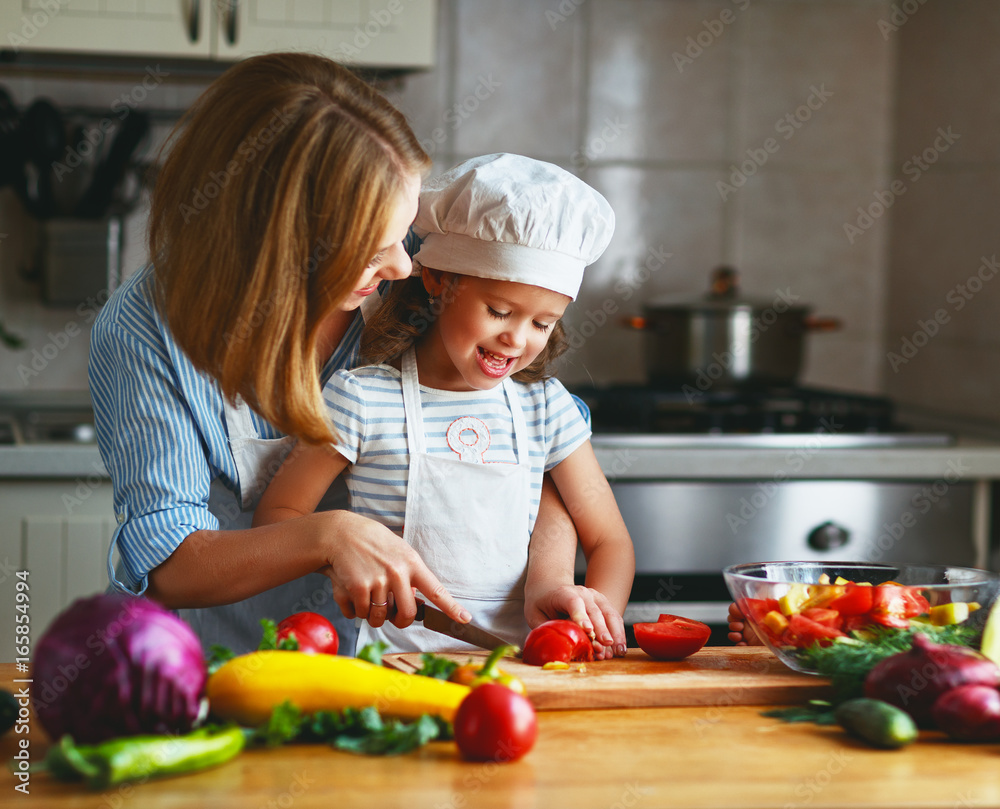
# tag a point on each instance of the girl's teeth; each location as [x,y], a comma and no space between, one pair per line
[494,360]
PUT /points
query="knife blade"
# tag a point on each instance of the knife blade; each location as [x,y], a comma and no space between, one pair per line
[438,621]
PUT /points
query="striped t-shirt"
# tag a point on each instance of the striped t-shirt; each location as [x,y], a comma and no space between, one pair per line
[366,406]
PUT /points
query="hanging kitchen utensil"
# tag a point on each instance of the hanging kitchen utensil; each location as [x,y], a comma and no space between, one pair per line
[11,156]
[43,135]
[73,170]
[725,340]
[97,199]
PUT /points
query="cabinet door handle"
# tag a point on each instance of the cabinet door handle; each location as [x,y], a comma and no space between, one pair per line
[234,6]
[194,20]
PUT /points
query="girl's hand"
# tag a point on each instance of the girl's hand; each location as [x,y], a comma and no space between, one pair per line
[589,608]
[740,632]
[374,573]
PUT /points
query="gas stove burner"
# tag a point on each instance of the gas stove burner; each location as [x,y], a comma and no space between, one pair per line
[798,410]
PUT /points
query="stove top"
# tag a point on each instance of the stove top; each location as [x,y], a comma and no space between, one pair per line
[769,417]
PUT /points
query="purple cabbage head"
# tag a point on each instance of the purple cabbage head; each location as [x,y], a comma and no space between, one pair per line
[117,665]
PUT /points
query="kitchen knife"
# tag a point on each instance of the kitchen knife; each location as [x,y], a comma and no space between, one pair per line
[438,621]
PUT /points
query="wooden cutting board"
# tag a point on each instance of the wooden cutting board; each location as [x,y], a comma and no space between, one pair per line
[721,675]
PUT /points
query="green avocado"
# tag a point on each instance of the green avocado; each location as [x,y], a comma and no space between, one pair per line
[877,722]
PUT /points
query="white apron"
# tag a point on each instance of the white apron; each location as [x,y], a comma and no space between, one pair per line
[468,521]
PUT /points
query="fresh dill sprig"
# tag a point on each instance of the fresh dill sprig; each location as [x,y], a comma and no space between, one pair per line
[847,661]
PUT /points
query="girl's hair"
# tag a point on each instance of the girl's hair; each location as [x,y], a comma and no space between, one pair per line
[406,316]
[279,183]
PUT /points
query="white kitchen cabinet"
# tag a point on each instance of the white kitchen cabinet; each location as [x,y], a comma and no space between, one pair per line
[123,27]
[59,531]
[366,33]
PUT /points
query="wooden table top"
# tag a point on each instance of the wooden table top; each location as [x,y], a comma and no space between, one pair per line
[695,756]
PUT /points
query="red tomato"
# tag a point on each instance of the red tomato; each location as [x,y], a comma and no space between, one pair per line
[915,603]
[826,617]
[561,640]
[891,606]
[671,637]
[756,608]
[856,600]
[314,633]
[494,723]
[803,632]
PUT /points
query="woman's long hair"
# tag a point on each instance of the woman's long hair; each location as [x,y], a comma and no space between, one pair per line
[407,314]
[278,184]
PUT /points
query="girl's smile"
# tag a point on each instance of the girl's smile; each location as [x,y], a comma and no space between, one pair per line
[494,365]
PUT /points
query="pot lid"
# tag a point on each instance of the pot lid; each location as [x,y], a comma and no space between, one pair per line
[724,296]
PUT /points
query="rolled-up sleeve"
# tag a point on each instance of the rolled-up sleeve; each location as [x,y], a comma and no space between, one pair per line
[152,447]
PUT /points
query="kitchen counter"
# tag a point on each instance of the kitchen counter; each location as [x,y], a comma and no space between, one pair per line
[663,458]
[704,756]
[52,462]
[624,457]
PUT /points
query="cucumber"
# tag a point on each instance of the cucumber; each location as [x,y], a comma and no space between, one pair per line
[8,710]
[877,722]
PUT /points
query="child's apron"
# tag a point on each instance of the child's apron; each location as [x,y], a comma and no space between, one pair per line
[468,520]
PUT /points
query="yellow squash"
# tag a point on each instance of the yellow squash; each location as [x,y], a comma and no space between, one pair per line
[247,688]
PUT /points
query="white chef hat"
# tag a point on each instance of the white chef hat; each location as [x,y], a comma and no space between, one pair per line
[512,218]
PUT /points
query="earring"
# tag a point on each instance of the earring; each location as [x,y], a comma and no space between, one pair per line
[430,300]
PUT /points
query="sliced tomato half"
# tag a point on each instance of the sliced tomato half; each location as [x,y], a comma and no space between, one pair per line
[671,637]
[557,641]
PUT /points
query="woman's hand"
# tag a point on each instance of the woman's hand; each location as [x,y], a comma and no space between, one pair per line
[586,606]
[374,573]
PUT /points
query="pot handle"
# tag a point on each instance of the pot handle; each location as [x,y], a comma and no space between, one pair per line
[636,322]
[820,323]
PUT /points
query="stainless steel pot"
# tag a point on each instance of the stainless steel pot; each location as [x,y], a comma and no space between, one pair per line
[724,340]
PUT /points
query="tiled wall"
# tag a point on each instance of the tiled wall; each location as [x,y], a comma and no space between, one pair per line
[942,340]
[656,102]
[661,103]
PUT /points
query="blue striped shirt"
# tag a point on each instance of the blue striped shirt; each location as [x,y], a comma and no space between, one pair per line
[160,428]
[366,406]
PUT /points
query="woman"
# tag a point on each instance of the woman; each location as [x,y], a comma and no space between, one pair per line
[280,209]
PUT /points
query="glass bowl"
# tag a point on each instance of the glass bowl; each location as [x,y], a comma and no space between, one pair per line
[793,605]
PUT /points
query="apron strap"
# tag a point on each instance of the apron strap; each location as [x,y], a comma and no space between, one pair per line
[238,422]
[520,425]
[415,441]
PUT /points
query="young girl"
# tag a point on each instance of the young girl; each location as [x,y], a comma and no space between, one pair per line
[447,435]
